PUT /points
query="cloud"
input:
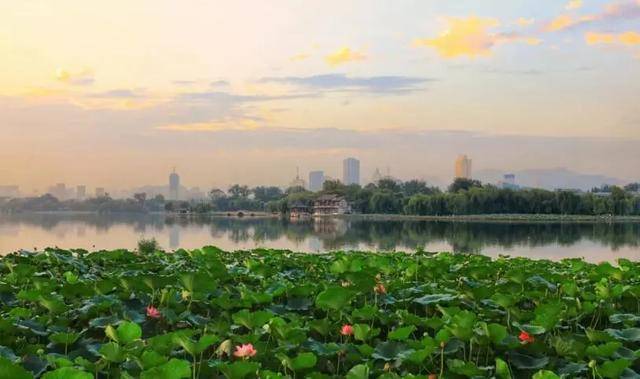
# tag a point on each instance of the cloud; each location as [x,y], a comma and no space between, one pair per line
[573,4]
[623,10]
[565,21]
[471,37]
[219,83]
[226,97]
[299,57]
[521,21]
[81,78]
[342,82]
[185,83]
[116,93]
[626,38]
[213,126]
[344,55]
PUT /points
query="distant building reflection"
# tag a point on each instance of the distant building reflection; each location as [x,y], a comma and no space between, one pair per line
[174,237]
[322,234]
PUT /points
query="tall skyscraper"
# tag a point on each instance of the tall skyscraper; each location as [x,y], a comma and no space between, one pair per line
[376,177]
[81,192]
[59,191]
[463,167]
[351,171]
[316,180]
[9,191]
[510,179]
[174,186]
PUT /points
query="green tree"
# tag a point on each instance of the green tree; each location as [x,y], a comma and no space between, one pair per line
[463,184]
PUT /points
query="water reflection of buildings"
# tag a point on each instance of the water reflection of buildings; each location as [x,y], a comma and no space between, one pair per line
[330,227]
[321,234]
[174,236]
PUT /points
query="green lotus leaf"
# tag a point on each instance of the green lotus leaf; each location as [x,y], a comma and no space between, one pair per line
[605,350]
[303,361]
[526,362]
[613,369]
[401,334]
[435,299]
[334,298]
[627,335]
[252,320]
[67,373]
[502,369]
[360,371]
[64,338]
[112,352]
[571,369]
[545,374]
[548,315]
[150,359]
[173,369]
[10,370]
[239,370]
[391,350]
[126,332]
[460,367]
[626,318]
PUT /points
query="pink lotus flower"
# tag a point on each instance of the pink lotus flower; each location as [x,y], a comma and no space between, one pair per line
[153,312]
[347,330]
[380,289]
[245,351]
[526,337]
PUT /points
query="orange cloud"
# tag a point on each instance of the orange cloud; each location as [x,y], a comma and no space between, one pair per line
[80,78]
[464,37]
[573,4]
[629,38]
[471,37]
[299,57]
[344,55]
[626,38]
[213,126]
[612,11]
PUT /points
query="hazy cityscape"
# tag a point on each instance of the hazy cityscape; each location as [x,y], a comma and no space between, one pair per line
[555,179]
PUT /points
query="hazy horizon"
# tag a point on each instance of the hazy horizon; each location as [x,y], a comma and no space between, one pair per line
[116,94]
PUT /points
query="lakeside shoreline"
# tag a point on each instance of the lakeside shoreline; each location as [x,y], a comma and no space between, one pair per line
[508,218]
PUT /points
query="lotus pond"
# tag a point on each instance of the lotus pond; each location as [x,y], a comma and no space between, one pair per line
[207,313]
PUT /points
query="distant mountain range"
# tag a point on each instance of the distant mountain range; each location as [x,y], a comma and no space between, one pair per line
[551,179]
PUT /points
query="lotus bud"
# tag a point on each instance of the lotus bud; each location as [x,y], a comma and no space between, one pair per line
[225,348]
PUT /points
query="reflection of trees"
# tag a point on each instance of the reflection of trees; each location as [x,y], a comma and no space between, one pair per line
[337,233]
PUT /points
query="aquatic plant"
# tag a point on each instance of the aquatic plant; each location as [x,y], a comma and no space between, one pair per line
[207,313]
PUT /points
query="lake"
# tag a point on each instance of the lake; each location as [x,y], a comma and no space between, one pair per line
[554,240]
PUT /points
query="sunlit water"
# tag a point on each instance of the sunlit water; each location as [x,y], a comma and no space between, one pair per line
[593,241]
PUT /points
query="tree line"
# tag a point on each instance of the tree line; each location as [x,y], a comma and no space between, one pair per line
[387,196]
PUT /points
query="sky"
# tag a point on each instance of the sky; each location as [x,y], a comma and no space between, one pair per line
[115,94]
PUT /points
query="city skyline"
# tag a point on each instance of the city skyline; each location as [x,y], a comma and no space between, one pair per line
[230,95]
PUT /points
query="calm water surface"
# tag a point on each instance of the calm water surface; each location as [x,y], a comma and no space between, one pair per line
[593,241]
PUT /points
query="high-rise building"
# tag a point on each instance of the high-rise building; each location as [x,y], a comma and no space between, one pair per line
[510,179]
[81,192]
[463,167]
[10,191]
[100,192]
[298,181]
[59,191]
[316,180]
[376,177]
[174,186]
[351,171]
